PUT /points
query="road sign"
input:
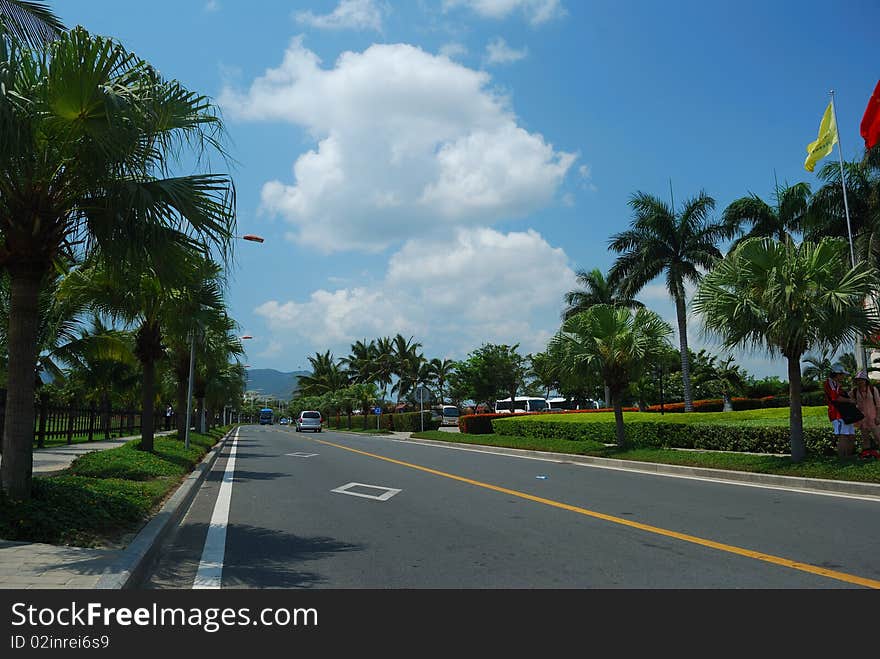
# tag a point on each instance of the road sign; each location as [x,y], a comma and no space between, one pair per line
[423,394]
[377,410]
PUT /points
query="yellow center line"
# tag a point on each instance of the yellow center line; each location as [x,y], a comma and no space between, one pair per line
[768,558]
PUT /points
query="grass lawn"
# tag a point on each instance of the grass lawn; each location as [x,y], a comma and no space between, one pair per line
[814,417]
[104,496]
[847,469]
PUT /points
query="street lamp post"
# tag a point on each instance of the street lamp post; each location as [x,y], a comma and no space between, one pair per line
[192,356]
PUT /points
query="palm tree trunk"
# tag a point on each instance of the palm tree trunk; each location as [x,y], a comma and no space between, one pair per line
[607,400]
[149,396]
[795,415]
[202,416]
[18,434]
[681,313]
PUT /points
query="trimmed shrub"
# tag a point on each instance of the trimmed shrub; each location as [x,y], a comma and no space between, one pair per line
[407,421]
[658,434]
[478,424]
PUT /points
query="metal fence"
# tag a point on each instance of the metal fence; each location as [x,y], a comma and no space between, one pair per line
[66,422]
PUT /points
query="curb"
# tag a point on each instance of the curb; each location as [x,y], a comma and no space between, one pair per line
[723,475]
[130,568]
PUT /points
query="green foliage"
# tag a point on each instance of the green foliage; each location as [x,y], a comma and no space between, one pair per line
[758,431]
[78,510]
[104,495]
[490,373]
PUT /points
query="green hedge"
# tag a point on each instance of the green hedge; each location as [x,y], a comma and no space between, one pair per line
[403,422]
[478,424]
[751,438]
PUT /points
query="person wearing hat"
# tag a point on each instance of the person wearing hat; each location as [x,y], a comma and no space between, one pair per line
[868,401]
[844,433]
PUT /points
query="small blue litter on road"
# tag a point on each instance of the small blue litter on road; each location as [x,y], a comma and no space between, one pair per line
[542,477]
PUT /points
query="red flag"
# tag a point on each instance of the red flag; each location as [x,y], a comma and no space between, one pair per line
[871,120]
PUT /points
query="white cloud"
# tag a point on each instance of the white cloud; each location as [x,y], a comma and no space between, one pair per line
[348,15]
[406,143]
[476,286]
[536,11]
[498,52]
[212,6]
[453,50]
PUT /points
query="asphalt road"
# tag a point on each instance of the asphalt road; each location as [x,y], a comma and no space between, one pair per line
[299,516]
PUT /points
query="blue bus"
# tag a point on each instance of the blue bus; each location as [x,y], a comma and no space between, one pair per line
[267,416]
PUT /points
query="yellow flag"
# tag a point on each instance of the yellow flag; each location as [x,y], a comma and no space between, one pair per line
[825,142]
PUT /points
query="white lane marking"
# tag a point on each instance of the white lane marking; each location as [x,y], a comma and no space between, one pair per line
[210,572]
[648,472]
[388,492]
[302,455]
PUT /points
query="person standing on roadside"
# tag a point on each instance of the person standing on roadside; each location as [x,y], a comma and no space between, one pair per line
[844,433]
[868,401]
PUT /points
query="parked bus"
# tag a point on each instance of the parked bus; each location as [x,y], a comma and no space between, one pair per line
[521,405]
[267,416]
[557,404]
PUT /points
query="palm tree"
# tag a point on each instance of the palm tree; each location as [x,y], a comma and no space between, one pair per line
[779,221]
[677,244]
[361,361]
[29,22]
[406,359]
[327,376]
[788,299]
[827,212]
[440,370]
[819,366]
[595,288]
[617,342]
[726,378]
[150,303]
[89,132]
[544,369]
[384,364]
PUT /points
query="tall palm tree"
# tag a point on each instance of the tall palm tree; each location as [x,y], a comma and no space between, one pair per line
[788,299]
[827,212]
[384,364]
[818,366]
[440,370]
[31,23]
[595,288]
[406,359]
[678,245]
[617,342]
[327,376]
[89,133]
[361,361]
[150,303]
[780,221]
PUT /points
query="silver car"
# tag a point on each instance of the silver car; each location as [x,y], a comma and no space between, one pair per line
[308,420]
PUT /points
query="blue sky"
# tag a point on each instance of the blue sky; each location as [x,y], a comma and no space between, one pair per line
[440,168]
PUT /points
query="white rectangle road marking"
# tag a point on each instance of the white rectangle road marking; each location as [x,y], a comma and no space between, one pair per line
[302,455]
[387,493]
[210,572]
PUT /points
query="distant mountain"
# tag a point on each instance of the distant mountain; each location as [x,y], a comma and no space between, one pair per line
[270,382]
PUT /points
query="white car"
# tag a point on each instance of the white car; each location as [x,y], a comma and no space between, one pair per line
[309,420]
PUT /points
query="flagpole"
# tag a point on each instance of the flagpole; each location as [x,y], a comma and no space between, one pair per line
[861,357]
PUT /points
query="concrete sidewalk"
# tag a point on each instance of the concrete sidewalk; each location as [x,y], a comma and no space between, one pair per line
[53,460]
